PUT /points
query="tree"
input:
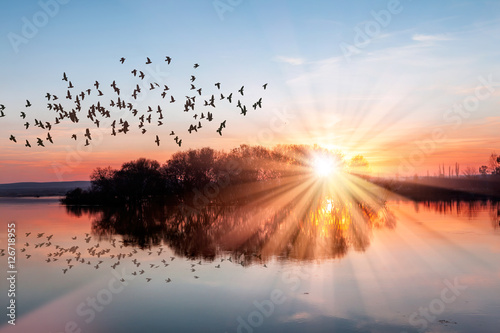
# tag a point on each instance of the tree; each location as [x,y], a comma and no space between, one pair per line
[483,170]
[469,172]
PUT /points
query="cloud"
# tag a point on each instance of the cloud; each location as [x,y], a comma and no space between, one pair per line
[430,38]
[290,60]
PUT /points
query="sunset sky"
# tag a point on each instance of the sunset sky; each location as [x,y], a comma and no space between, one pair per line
[408,84]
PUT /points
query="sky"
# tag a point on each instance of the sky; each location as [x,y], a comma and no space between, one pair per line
[410,85]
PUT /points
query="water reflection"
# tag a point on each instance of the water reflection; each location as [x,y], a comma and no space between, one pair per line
[466,209]
[323,227]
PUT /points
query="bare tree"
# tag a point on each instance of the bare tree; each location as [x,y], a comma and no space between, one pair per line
[469,172]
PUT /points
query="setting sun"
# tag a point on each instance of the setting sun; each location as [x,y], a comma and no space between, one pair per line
[324,166]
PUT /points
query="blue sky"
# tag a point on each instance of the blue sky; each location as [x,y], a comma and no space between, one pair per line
[379,102]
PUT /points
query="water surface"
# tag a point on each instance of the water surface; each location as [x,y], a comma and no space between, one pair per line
[320,266]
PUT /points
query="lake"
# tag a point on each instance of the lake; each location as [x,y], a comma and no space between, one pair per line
[266,266]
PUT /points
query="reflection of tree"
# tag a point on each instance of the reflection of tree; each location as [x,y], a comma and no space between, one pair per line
[324,227]
[463,208]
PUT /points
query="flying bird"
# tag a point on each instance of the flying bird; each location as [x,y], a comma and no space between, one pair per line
[157,141]
[122,60]
[12,138]
[168,59]
[28,104]
[148,61]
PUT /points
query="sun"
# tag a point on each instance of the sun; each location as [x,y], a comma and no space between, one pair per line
[324,166]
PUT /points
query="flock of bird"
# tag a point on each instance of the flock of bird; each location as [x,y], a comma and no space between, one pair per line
[100,114]
[100,256]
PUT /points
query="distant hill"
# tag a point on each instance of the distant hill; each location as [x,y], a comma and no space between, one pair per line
[33,189]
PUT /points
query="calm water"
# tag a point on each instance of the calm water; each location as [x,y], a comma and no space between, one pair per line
[391,266]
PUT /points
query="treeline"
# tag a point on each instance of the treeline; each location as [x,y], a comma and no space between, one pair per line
[189,170]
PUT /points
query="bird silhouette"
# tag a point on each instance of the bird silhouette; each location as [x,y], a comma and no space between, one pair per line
[28,104]
[12,138]
[168,59]
[148,61]
[265,86]
[241,90]
[122,60]
[49,138]
[196,65]
[27,144]
[65,78]
[23,115]
[40,142]
[157,141]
